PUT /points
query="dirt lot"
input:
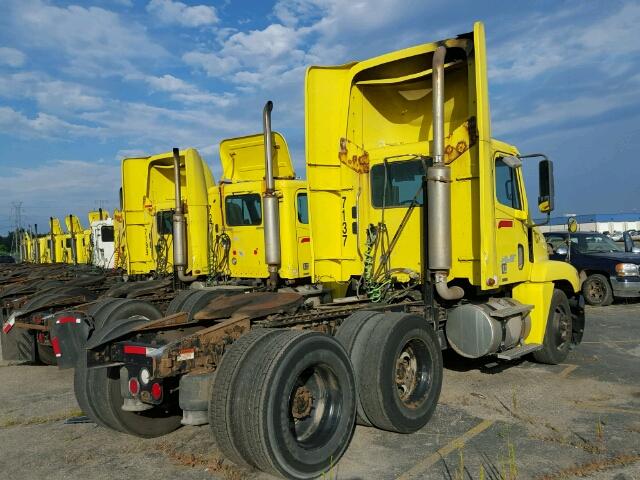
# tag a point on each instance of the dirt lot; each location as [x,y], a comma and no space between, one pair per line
[521,420]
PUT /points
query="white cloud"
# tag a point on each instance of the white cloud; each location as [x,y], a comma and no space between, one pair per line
[11,57]
[57,188]
[571,111]
[547,45]
[182,91]
[214,65]
[42,125]
[51,95]
[170,12]
[92,40]
[167,83]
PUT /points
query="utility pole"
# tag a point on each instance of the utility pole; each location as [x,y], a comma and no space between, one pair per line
[16,245]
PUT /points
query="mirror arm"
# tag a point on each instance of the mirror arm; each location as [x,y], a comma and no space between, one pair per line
[546,222]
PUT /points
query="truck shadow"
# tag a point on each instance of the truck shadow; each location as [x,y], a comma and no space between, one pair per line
[490,366]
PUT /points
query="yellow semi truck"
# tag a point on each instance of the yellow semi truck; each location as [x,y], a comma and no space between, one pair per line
[222,222]
[421,239]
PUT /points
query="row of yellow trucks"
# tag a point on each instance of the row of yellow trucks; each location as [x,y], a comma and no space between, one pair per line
[283,312]
[93,245]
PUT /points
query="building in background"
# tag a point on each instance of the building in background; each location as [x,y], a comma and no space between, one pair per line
[608,223]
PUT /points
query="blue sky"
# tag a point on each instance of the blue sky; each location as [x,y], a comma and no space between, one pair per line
[83,84]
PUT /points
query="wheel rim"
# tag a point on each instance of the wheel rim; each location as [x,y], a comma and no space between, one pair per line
[596,290]
[315,406]
[562,324]
[413,373]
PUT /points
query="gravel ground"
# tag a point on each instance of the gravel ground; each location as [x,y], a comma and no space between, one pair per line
[521,420]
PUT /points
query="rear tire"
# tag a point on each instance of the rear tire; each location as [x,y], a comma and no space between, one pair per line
[597,290]
[297,393]
[557,337]
[357,324]
[223,389]
[45,354]
[192,301]
[399,384]
[98,389]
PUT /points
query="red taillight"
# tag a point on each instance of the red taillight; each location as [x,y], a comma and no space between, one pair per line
[156,391]
[135,350]
[55,343]
[62,320]
[134,386]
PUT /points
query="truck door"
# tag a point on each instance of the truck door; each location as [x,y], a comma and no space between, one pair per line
[511,220]
[303,234]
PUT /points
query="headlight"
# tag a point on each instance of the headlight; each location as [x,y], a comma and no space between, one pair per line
[627,270]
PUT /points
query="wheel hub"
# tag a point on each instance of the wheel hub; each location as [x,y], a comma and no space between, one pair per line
[406,368]
[302,403]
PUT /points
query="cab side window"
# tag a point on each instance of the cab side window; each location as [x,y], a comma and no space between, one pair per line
[303,208]
[507,191]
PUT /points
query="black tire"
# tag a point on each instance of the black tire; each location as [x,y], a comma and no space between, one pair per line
[597,290]
[222,397]
[558,333]
[297,394]
[399,384]
[192,301]
[45,354]
[100,387]
[347,334]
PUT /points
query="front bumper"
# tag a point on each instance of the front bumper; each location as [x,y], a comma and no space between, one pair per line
[628,287]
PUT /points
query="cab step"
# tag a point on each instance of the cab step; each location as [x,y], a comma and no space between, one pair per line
[518,352]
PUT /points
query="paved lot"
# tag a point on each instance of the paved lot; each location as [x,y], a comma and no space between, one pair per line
[521,420]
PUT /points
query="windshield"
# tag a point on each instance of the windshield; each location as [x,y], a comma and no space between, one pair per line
[595,243]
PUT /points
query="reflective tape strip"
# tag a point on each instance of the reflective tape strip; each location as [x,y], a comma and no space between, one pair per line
[55,343]
[9,324]
[62,320]
[139,350]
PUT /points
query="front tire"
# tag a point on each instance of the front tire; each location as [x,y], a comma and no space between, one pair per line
[558,334]
[597,290]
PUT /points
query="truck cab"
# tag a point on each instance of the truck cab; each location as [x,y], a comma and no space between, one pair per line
[241,191]
[407,188]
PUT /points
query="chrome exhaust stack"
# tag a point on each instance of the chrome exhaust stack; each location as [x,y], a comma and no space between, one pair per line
[273,257]
[36,244]
[179,226]
[74,247]
[52,242]
[439,191]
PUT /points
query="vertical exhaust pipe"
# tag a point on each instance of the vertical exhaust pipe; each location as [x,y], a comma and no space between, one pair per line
[36,244]
[179,226]
[273,257]
[100,212]
[52,241]
[439,191]
[74,246]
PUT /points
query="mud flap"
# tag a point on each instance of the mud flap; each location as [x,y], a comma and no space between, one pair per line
[576,303]
[69,332]
[18,345]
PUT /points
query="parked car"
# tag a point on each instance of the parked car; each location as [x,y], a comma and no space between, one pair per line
[611,272]
[7,259]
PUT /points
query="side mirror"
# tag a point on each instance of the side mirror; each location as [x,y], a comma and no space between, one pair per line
[545,186]
[562,250]
[628,241]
